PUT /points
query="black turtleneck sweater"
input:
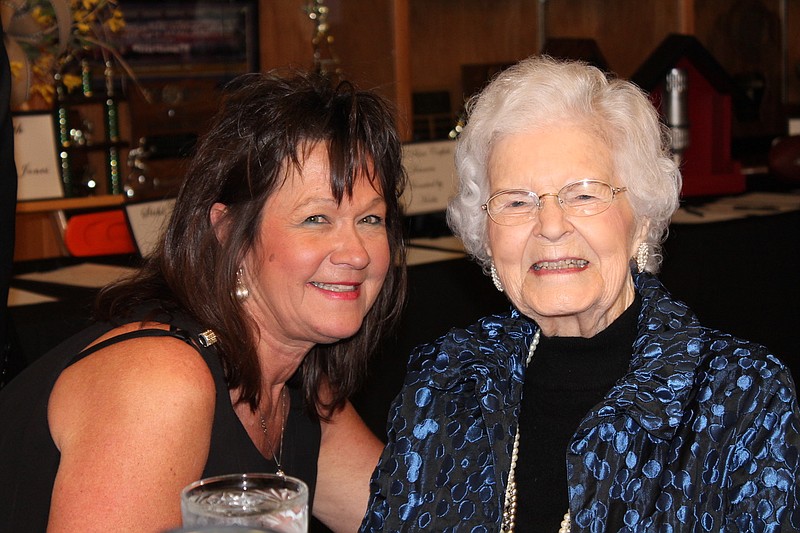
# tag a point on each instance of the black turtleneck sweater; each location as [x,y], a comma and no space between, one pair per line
[567,376]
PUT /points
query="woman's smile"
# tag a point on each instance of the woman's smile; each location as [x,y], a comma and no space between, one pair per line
[343,291]
[560,265]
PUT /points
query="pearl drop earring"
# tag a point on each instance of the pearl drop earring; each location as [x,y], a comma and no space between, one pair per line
[496,279]
[641,257]
[241,292]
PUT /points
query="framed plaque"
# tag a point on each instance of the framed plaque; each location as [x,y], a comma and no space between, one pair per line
[189,37]
[36,157]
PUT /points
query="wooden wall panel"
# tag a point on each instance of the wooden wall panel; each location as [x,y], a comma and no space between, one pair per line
[446,34]
[402,65]
[364,40]
[626,31]
[745,37]
[285,32]
[793,55]
[37,236]
[758,35]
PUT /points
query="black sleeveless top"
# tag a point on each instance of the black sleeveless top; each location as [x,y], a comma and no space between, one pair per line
[29,459]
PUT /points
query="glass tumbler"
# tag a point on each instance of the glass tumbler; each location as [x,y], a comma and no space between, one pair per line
[267,501]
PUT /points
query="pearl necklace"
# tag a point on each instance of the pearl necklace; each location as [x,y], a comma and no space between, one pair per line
[279,457]
[510,505]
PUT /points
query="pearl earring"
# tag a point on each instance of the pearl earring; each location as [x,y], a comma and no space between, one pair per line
[241,292]
[641,257]
[496,279]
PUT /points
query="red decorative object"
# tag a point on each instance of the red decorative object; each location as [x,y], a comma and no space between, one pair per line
[103,233]
[784,159]
[706,165]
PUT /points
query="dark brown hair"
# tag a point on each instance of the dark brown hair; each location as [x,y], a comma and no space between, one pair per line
[264,126]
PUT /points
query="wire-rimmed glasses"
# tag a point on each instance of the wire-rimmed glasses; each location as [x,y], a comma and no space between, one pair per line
[584,198]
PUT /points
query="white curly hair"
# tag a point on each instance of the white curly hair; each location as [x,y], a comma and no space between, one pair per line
[539,92]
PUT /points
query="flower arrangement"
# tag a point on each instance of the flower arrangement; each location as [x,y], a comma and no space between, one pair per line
[49,37]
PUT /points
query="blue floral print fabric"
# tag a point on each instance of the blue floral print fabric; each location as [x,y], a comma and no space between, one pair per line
[701,435]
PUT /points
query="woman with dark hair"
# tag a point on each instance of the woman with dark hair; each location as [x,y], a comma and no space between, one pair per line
[236,346]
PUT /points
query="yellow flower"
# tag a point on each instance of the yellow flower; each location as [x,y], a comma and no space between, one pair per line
[43,65]
[93,21]
[45,90]
[116,22]
[42,19]
[16,68]
[71,81]
[83,27]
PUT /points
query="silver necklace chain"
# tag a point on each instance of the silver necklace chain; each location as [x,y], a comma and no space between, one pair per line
[510,505]
[264,429]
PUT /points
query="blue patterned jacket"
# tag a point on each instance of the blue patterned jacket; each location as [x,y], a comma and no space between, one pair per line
[702,434]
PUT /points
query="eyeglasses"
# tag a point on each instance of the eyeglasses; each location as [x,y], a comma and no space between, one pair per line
[584,198]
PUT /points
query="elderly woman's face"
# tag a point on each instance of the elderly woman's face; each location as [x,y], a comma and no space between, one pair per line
[317,267]
[568,273]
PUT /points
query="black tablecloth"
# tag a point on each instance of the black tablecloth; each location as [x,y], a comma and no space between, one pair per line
[738,276]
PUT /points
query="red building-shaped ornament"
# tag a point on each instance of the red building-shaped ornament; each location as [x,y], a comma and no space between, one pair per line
[706,162]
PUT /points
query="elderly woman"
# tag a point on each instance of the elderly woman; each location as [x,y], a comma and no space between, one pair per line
[236,347]
[597,395]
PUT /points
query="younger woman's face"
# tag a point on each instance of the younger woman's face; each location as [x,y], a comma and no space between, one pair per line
[318,266]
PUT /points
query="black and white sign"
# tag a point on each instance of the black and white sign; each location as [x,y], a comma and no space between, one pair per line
[431,172]
[36,156]
[147,221]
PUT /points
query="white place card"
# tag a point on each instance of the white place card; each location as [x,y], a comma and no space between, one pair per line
[36,157]
[431,171]
[147,221]
[794,126]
